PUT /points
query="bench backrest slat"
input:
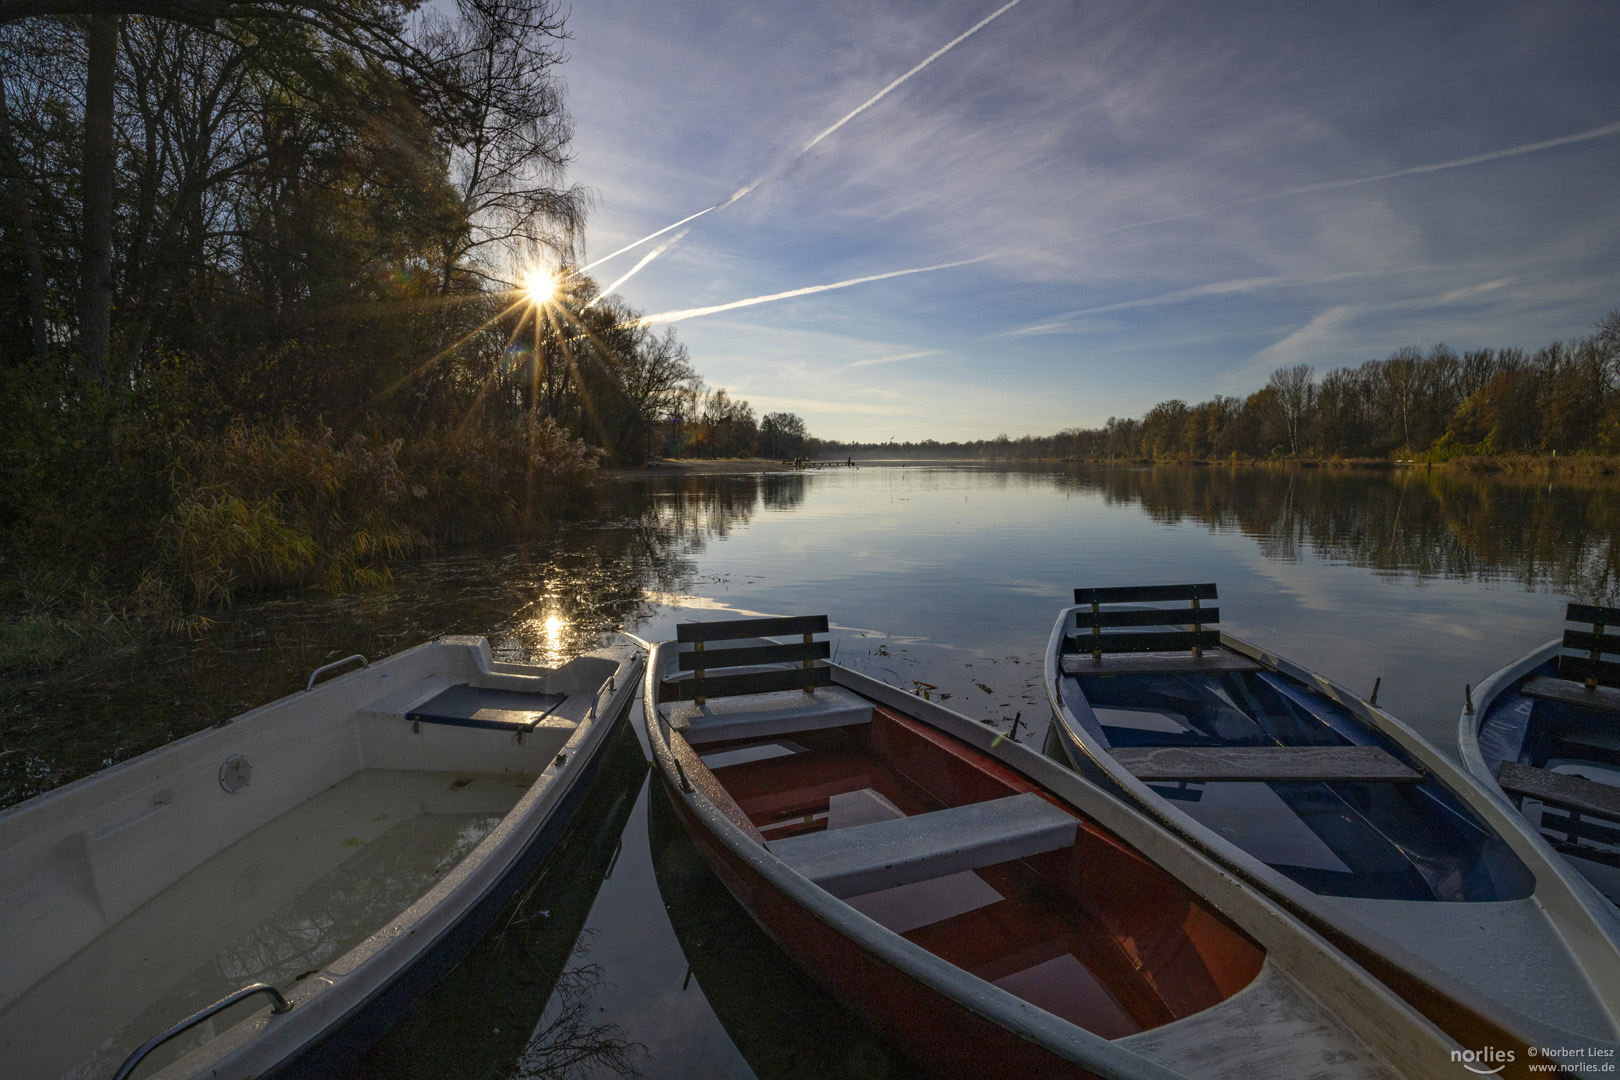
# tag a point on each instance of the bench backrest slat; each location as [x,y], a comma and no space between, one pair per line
[1085,620]
[711,659]
[731,629]
[1590,613]
[751,682]
[1162,641]
[1143,594]
[1594,643]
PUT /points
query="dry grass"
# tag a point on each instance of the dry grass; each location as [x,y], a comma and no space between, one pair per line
[268,507]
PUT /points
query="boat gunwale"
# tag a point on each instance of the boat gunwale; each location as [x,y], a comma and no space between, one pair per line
[1387,1026]
[262,1043]
[1559,891]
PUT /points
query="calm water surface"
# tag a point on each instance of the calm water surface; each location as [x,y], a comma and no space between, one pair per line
[945,580]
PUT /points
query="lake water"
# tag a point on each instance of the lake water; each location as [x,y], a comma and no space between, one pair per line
[941,579]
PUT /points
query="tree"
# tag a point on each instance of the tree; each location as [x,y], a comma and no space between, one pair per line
[783,435]
[1295,389]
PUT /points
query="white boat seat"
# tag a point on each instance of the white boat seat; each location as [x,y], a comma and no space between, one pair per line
[1322,764]
[1560,789]
[782,712]
[466,705]
[886,854]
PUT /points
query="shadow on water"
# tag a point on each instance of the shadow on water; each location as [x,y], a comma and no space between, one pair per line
[778,1016]
[521,1004]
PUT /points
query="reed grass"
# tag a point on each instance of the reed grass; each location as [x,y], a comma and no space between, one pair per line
[279,506]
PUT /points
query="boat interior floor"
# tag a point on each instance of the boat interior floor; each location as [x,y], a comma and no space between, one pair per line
[1083,928]
[276,906]
[1328,801]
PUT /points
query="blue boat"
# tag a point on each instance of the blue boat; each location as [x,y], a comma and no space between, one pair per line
[1545,732]
[1341,813]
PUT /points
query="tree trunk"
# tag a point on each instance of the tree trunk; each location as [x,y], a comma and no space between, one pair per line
[32,261]
[95,317]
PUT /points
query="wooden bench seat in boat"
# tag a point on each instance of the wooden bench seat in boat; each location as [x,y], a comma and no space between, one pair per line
[1560,789]
[886,854]
[1127,664]
[1606,698]
[762,715]
[1321,764]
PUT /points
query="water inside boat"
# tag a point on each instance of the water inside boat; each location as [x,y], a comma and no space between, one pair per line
[1368,839]
[1091,932]
[278,905]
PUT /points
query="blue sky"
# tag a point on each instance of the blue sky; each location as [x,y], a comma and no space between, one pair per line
[1127,176]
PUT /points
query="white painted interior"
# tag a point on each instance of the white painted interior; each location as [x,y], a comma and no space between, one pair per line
[128,898]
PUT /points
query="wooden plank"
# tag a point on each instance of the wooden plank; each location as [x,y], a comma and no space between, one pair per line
[731,629]
[713,659]
[1155,617]
[1138,594]
[1323,764]
[1128,664]
[1591,614]
[1162,641]
[1606,698]
[754,682]
[1585,641]
[1606,672]
[1559,789]
[885,854]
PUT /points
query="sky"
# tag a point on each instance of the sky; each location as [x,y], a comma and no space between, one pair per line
[1116,203]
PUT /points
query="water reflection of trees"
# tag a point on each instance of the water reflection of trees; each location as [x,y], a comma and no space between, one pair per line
[541,601]
[568,1042]
[1405,522]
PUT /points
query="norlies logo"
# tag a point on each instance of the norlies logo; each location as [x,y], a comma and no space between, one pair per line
[1482,1061]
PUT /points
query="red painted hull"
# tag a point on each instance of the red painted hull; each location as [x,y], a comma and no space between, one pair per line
[949,1039]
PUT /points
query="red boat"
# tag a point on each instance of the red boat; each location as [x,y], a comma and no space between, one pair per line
[992,912]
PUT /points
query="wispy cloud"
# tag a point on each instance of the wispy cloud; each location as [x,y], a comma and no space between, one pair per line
[894,359]
[1599,132]
[751,186]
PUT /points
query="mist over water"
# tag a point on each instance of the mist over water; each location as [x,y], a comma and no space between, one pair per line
[941,579]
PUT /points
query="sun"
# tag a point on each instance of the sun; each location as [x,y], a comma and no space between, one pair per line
[540,286]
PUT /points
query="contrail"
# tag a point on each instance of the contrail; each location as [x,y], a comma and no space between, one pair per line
[660,232]
[634,270]
[692,313]
[1414,170]
[867,104]
[935,55]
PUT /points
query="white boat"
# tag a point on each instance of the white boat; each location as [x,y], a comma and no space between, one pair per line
[1545,732]
[317,862]
[981,905]
[1343,814]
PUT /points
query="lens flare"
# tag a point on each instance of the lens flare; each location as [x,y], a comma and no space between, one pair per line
[540,287]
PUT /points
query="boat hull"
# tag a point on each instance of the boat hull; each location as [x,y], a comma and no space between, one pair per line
[334,1053]
[378,831]
[933,1028]
[1457,1006]
[1485,740]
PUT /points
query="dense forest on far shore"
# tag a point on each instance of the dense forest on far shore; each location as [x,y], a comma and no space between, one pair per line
[1435,405]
